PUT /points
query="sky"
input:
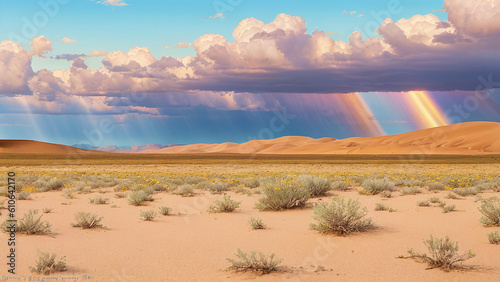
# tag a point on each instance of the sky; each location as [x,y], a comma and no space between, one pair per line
[130,72]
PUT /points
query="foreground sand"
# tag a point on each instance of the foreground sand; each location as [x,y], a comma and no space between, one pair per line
[192,245]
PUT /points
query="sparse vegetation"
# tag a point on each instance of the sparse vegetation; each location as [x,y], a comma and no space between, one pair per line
[424,203]
[466,191]
[436,186]
[147,215]
[224,205]
[410,191]
[24,195]
[382,207]
[185,190]
[317,186]
[435,200]
[453,196]
[47,264]
[490,208]
[256,223]
[99,200]
[282,195]
[494,237]
[340,185]
[30,224]
[340,217]
[138,198]
[87,220]
[448,208]
[443,253]
[165,210]
[47,210]
[375,186]
[255,262]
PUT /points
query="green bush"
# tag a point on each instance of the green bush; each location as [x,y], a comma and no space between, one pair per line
[340,217]
[443,253]
[30,224]
[375,186]
[255,262]
[87,220]
[224,205]
[317,186]
[490,208]
[282,195]
[47,264]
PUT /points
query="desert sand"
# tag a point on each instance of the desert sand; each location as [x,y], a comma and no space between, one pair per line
[465,138]
[192,245]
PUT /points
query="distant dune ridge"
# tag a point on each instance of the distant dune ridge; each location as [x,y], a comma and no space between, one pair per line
[36,147]
[466,138]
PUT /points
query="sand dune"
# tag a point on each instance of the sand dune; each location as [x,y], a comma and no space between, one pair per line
[465,138]
[36,147]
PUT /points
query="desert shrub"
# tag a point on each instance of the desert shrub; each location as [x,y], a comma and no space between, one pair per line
[147,215]
[255,262]
[494,237]
[340,217]
[68,193]
[24,195]
[340,185]
[47,264]
[250,182]
[453,196]
[224,205]
[382,207]
[52,184]
[120,195]
[410,191]
[158,187]
[282,195]
[375,186]
[47,210]
[424,203]
[490,208]
[217,187]
[185,190]
[192,179]
[467,191]
[448,208]
[436,186]
[317,186]
[98,200]
[256,223]
[138,197]
[87,220]
[30,224]
[443,253]
[386,194]
[165,210]
[435,200]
